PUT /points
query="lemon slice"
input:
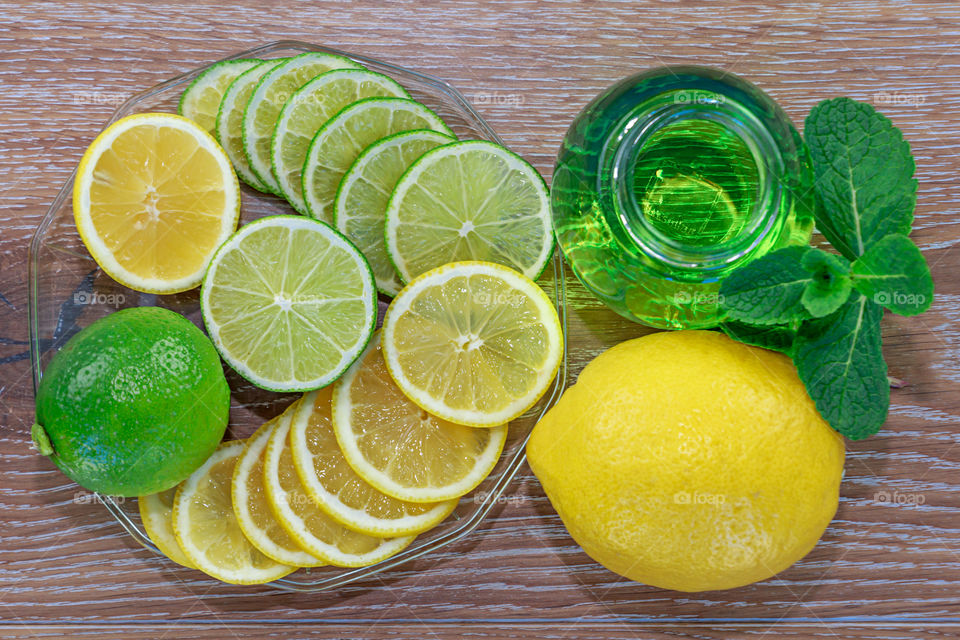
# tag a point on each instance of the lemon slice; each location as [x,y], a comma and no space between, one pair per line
[307,110]
[156,513]
[289,303]
[472,200]
[306,522]
[361,205]
[399,448]
[207,529]
[201,100]
[229,125]
[338,490]
[473,342]
[153,198]
[269,96]
[252,508]
[346,135]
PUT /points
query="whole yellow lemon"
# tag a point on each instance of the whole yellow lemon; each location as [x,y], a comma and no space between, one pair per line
[688,461]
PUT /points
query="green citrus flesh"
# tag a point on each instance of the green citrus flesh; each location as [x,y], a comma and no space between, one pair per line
[344,137]
[132,404]
[361,205]
[308,110]
[472,200]
[271,93]
[229,126]
[289,303]
[201,100]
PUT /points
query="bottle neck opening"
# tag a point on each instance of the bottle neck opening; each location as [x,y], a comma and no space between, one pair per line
[695,180]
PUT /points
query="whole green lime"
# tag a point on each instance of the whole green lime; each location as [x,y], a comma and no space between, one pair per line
[132,404]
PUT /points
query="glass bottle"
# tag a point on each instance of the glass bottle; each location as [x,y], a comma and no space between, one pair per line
[669,180]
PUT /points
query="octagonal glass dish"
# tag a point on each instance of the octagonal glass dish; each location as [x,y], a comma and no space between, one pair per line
[68,291]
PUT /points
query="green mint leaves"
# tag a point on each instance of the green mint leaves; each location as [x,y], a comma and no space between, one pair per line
[894,274]
[768,290]
[864,175]
[830,283]
[822,309]
[839,360]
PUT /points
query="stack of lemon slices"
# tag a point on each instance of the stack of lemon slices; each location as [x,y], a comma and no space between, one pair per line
[351,473]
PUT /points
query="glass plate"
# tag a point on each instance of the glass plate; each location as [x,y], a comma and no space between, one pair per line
[68,291]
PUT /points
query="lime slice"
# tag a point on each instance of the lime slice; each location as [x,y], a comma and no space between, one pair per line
[306,522]
[472,342]
[252,507]
[201,100]
[229,126]
[341,140]
[289,303]
[339,491]
[361,205]
[272,92]
[307,110]
[473,200]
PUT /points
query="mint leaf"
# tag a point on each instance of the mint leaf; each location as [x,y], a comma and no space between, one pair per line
[767,290]
[776,337]
[893,273]
[840,362]
[863,174]
[830,286]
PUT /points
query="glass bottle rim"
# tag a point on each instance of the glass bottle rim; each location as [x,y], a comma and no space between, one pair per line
[669,107]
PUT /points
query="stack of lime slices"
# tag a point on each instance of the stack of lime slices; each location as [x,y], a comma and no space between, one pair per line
[349,147]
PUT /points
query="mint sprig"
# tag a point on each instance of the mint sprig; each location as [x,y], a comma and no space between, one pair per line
[822,309]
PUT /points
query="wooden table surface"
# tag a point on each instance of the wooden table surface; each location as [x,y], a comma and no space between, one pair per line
[888,566]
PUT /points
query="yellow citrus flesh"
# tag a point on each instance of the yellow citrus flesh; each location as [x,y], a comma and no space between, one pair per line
[207,529]
[156,513]
[154,197]
[337,488]
[475,343]
[253,510]
[685,460]
[306,522]
[400,449]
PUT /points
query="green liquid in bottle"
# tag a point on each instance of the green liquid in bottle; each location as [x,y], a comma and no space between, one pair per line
[670,180]
[696,183]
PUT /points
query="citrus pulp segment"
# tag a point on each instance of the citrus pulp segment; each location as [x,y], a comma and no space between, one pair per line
[154,197]
[472,200]
[341,140]
[201,100]
[400,449]
[306,112]
[473,342]
[360,207]
[229,125]
[252,508]
[289,303]
[156,513]
[207,529]
[271,93]
[338,490]
[306,522]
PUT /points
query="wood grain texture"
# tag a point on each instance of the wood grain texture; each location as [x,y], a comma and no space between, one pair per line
[894,548]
